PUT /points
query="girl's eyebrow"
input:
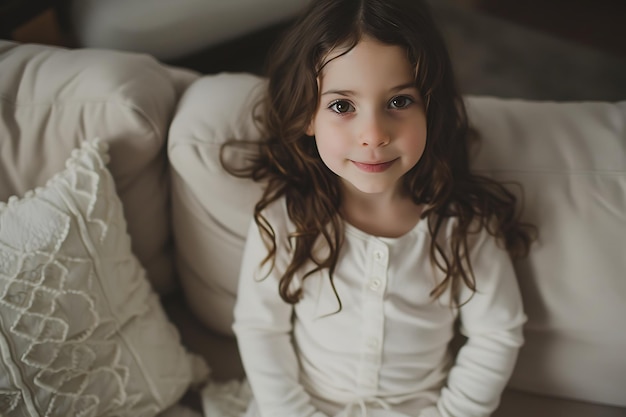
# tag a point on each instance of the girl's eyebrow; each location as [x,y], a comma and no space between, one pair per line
[347,93]
[339,92]
[410,84]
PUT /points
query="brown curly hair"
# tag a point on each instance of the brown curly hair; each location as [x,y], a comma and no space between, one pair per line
[289,165]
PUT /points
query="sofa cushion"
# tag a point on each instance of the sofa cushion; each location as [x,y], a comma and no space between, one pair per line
[211,209]
[570,159]
[516,403]
[51,99]
[81,330]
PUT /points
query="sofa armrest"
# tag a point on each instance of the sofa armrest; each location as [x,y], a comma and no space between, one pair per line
[191,25]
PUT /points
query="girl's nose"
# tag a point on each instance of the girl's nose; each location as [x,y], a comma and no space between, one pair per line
[375,132]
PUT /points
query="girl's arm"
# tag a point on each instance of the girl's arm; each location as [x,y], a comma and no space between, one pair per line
[263,328]
[492,320]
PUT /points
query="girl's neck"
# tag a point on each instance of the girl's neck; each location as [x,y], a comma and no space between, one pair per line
[389,214]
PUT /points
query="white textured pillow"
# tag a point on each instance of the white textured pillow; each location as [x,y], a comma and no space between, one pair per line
[81,330]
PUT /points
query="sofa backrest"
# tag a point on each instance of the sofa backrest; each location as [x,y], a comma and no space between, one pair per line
[569,158]
[52,99]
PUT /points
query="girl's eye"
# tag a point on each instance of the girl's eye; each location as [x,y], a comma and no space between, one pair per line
[400,102]
[341,106]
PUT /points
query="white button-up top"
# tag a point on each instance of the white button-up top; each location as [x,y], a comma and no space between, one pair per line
[386,346]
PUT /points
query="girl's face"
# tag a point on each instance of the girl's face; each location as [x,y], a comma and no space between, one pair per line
[370,123]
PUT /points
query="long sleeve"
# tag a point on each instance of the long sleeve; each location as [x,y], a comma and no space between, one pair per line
[263,325]
[492,320]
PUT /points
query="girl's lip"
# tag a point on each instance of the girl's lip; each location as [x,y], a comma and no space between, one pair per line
[374,167]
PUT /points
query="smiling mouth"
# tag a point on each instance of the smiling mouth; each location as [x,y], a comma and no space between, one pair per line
[379,167]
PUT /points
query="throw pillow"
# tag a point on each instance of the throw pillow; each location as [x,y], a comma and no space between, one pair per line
[81,331]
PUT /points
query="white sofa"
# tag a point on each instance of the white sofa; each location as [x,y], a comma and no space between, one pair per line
[81,330]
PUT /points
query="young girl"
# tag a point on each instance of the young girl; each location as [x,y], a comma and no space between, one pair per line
[372,236]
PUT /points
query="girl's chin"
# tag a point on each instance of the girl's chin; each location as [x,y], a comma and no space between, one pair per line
[370,188]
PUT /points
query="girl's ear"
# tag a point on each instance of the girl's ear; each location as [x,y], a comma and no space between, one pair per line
[310,130]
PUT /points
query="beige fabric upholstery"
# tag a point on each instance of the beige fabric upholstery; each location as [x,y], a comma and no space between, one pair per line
[211,209]
[52,99]
[188,25]
[515,403]
[570,159]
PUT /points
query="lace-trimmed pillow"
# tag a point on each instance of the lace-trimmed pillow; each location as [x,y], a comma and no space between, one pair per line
[81,331]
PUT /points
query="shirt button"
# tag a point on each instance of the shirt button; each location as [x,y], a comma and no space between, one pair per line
[379,255]
[372,343]
[375,284]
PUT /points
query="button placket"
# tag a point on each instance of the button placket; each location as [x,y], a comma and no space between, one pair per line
[373,323]
[379,268]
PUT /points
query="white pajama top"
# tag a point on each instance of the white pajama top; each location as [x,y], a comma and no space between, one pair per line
[385,351]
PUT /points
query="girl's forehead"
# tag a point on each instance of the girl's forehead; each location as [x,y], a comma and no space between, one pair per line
[369,58]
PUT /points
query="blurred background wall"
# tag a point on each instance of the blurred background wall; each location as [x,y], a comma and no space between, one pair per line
[599,24]
[532,49]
